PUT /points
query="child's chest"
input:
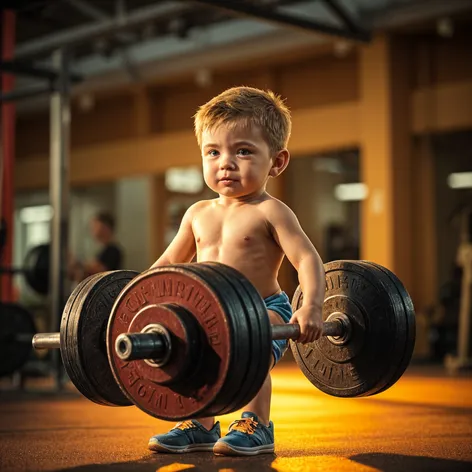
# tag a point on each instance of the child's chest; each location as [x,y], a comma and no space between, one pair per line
[236,228]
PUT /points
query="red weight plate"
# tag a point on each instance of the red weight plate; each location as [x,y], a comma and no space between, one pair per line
[173,285]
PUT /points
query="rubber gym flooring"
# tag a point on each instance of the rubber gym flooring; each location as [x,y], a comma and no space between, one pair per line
[423,423]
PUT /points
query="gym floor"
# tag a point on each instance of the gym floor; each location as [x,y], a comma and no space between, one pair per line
[423,423]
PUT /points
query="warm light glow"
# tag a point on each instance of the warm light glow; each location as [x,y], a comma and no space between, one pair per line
[318,463]
[175,467]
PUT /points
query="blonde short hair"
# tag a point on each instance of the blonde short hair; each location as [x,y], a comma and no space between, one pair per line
[252,106]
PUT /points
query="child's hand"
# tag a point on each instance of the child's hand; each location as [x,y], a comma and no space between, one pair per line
[310,321]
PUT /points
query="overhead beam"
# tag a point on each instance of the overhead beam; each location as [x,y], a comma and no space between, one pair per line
[410,13]
[45,45]
[343,15]
[299,22]
[27,92]
[37,72]
[97,14]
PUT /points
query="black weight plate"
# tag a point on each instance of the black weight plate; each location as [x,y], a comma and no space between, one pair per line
[360,367]
[409,336]
[83,336]
[36,266]
[256,338]
[17,329]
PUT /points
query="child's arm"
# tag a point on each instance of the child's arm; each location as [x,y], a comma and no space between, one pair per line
[304,257]
[182,248]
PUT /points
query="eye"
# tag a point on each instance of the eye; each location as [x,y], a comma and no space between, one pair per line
[244,152]
[212,153]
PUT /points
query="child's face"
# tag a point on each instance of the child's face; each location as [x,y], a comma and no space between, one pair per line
[236,160]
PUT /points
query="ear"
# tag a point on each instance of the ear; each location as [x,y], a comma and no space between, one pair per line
[279,163]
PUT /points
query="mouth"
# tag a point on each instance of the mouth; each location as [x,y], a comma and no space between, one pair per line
[227,180]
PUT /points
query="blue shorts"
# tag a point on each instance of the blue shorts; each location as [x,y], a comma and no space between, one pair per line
[279,303]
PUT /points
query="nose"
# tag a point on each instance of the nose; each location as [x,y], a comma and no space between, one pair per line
[227,162]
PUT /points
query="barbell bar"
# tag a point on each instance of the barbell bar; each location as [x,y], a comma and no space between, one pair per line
[155,345]
[47,341]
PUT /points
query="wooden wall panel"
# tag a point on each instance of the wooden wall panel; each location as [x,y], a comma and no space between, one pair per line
[175,105]
[111,118]
[447,59]
[323,81]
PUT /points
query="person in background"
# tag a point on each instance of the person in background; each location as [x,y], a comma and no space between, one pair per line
[110,255]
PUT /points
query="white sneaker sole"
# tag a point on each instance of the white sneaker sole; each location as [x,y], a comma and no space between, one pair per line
[223,449]
[158,447]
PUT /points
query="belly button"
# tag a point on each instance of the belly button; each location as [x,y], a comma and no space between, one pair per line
[246,238]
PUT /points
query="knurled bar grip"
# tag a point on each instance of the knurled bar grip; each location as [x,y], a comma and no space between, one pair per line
[292,331]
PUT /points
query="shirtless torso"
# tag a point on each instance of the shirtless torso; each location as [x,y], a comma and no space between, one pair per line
[240,236]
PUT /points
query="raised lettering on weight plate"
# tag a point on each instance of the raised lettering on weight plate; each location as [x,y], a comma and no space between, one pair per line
[161,401]
[308,352]
[204,306]
[214,339]
[179,289]
[180,402]
[353,373]
[163,288]
[329,284]
[197,298]
[211,321]
[188,292]
[132,303]
[168,287]
[142,390]
[123,317]
[147,291]
[133,377]
[157,401]
[343,281]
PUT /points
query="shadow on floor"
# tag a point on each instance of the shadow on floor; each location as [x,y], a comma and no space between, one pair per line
[375,399]
[197,462]
[209,463]
[399,462]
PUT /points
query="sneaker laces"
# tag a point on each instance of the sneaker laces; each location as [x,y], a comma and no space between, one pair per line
[187,424]
[244,425]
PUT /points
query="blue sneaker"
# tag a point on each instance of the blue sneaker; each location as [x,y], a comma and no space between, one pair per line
[186,436]
[246,437]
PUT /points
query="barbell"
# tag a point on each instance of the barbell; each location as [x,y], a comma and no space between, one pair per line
[194,340]
[35,269]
